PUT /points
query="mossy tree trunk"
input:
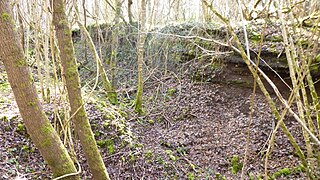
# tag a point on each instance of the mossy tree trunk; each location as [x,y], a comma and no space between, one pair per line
[114,50]
[39,127]
[141,40]
[78,112]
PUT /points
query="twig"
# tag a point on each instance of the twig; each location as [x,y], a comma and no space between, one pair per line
[192,37]
[71,174]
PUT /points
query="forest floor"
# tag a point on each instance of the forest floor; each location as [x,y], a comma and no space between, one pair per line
[191,130]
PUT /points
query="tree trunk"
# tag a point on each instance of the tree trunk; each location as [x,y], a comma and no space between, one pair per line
[118,13]
[205,13]
[177,10]
[78,112]
[130,11]
[141,40]
[114,46]
[85,24]
[39,128]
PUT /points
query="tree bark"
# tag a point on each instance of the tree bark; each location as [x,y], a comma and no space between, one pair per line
[39,127]
[118,13]
[114,48]
[130,11]
[78,112]
[205,13]
[141,40]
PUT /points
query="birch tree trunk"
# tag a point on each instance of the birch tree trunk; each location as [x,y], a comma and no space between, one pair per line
[78,112]
[39,127]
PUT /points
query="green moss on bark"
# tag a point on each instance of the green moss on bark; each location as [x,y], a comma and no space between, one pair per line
[63,22]
[138,104]
[6,16]
[32,103]
[80,119]
[47,130]
[21,63]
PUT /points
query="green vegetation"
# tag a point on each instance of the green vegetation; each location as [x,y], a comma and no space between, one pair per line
[256,37]
[286,172]
[219,176]
[4,118]
[251,176]
[165,143]
[151,121]
[276,38]
[5,16]
[172,91]
[28,149]
[160,160]
[236,165]
[21,128]
[109,144]
[149,156]
[317,58]
[191,176]
[171,156]
[182,150]
[282,172]
[5,87]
